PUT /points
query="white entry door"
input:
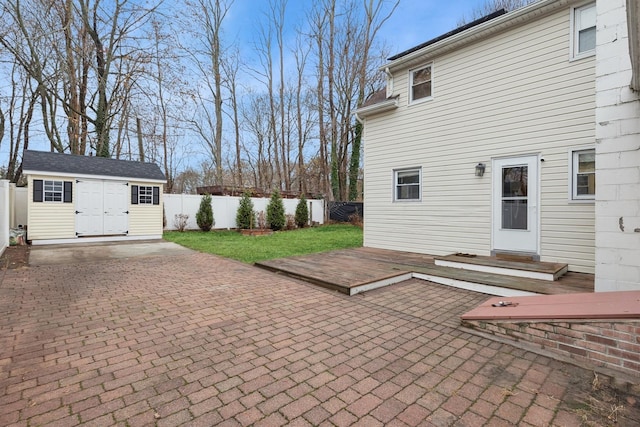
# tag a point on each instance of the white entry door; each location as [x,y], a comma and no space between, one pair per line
[515,204]
[101,208]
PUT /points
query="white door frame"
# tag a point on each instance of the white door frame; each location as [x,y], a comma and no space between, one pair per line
[516,240]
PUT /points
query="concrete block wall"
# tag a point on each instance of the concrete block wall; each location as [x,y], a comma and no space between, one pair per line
[617,155]
[613,345]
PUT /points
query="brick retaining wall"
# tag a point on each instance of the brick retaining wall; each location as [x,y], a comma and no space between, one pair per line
[607,344]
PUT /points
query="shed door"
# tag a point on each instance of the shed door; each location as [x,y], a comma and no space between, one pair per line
[101,208]
[116,207]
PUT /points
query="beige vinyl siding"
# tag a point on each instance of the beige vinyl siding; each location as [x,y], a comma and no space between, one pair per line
[50,220]
[515,93]
[145,220]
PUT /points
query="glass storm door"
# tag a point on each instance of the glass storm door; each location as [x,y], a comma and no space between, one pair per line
[515,204]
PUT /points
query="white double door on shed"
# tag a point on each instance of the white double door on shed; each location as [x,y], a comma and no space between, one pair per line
[102,207]
[515,204]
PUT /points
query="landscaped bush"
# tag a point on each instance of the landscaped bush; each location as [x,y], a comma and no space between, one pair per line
[245,214]
[302,212]
[262,220]
[180,221]
[204,216]
[275,212]
[290,222]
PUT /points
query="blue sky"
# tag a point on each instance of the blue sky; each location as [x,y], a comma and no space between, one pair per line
[413,22]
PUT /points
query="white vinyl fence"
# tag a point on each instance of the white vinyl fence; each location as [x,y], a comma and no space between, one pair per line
[5,214]
[225,209]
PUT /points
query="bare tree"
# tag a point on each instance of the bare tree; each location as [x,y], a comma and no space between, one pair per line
[374,18]
[230,69]
[490,6]
[207,17]
[344,35]
[74,51]
[109,29]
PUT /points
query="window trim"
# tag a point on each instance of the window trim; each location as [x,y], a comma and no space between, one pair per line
[145,195]
[417,169]
[426,98]
[52,191]
[574,54]
[573,171]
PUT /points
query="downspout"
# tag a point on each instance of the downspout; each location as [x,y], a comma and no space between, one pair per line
[389,82]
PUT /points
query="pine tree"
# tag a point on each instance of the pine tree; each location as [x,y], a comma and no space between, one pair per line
[275,212]
[204,216]
[245,214]
[302,212]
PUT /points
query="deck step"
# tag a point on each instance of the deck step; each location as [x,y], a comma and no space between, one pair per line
[517,268]
[492,283]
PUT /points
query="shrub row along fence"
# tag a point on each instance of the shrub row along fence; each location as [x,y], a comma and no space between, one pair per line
[346,211]
[225,209]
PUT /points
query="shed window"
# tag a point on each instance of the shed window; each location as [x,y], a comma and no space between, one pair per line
[52,191]
[145,195]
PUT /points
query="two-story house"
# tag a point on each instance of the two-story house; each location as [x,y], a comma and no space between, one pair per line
[484,141]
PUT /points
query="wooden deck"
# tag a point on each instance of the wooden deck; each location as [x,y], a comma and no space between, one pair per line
[357,270]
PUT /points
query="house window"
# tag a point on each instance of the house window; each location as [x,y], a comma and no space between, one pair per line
[421,83]
[145,195]
[583,181]
[407,184]
[53,191]
[584,30]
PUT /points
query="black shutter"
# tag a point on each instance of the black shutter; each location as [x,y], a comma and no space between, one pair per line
[68,191]
[134,194]
[156,195]
[37,190]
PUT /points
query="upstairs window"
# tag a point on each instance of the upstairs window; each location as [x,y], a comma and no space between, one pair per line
[421,83]
[584,175]
[584,31]
[407,184]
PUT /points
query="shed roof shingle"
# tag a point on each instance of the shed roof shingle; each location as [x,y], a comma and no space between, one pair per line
[42,161]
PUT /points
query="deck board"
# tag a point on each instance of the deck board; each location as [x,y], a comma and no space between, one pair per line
[346,269]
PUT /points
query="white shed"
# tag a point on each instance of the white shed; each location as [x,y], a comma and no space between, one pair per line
[75,199]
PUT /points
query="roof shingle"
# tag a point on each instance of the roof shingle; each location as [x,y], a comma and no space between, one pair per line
[42,161]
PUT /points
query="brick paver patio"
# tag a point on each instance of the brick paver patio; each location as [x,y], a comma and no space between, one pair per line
[202,341]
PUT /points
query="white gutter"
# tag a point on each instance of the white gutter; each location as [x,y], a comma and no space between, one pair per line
[380,107]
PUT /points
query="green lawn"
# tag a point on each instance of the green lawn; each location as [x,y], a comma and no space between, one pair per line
[231,244]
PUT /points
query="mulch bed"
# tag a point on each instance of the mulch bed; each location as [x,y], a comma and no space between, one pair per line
[15,257]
